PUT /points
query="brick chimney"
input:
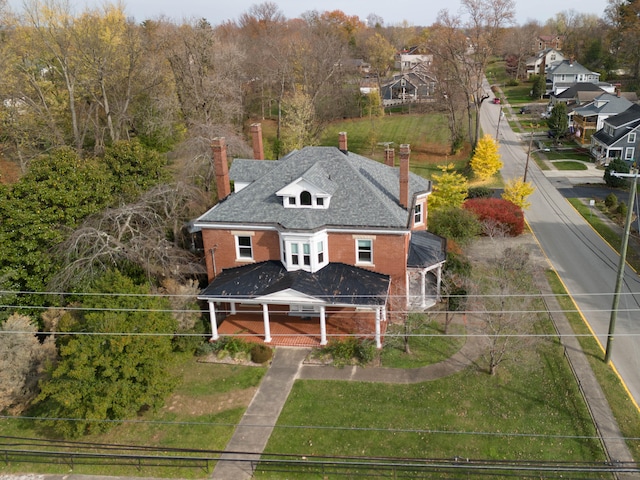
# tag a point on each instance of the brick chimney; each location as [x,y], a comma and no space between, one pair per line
[256,135]
[405,150]
[221,167]
[389,157]
[342,143]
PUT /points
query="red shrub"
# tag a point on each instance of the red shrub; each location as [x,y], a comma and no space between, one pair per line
[498,211]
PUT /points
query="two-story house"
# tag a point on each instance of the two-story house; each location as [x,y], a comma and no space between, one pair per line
[566,73]
[543,61]
[618,138]
[588,119]
[415,85]
[321,242]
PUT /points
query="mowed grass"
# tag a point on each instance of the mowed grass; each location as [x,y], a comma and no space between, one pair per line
[569,165]
[200,414]
[531,409]
[428,345]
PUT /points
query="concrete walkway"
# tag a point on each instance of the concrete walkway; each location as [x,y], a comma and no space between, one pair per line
[255,427]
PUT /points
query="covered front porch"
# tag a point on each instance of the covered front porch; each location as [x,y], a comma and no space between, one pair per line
[265,302]
[296,331]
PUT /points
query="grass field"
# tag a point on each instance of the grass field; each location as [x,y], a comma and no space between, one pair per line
[524,412]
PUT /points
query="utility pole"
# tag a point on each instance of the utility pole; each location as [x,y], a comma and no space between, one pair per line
[623,261]
[526,165]
[500,115]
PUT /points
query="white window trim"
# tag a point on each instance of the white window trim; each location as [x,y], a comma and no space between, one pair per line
[632,137]
[249,235]
[357,247]
[629,153]
[301,240]
[418,211]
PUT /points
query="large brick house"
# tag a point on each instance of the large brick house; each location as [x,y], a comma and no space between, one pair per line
[322,241]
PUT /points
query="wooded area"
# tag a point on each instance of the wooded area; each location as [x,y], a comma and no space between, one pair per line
[110,123]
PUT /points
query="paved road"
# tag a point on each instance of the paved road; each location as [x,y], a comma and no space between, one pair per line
[586,264]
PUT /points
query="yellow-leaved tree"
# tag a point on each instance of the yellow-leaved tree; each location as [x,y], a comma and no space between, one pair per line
[517,191]
[485,162]
[450,189]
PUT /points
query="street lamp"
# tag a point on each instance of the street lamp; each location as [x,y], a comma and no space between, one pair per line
[623,260]
[529,152]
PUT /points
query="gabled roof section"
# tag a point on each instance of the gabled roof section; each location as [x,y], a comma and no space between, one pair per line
[604,104]
[336,284]
[573,90]
[426,250]
[318,177]
[630,115]
[365,193]
[567,67]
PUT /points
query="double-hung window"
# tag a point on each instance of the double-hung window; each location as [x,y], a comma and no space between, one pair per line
[417,214]
[364,250]
[244,249]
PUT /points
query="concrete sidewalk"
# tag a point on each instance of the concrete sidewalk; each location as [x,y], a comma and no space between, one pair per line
[255,427]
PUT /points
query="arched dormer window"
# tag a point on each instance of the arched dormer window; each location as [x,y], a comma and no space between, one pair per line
[305,198]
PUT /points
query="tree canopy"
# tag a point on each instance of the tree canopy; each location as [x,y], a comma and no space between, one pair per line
[114,364]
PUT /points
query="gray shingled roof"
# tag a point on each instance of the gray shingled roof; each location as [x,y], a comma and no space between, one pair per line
[573,90]
[613,105]
[570,68]
[364,192]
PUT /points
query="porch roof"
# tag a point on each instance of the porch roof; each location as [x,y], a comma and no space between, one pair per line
[335,284]
[426,250]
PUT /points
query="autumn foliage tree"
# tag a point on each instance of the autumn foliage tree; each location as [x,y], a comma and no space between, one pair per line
[517,191]
[497,215]
[485,162]
[449,190]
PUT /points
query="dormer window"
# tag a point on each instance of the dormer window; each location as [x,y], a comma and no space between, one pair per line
[305,198]
[302,194]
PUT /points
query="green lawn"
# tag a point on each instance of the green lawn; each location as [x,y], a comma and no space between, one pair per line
[531,409]
[569,165]
[427,344]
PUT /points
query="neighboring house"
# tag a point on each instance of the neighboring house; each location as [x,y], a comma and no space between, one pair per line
[322,240]
[618,138]
[578,94]
[543,61]
[567,73]
[544,42]
[417,84]
[589,118]
[407,60]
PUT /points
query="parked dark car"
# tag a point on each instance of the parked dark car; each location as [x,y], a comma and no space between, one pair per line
[524,110]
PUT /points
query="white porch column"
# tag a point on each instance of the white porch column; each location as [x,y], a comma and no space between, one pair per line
[439,282]
[233,308]
[378,341]
[212,319]
[323,326]
[265,317]
[384,313]
[423,287]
